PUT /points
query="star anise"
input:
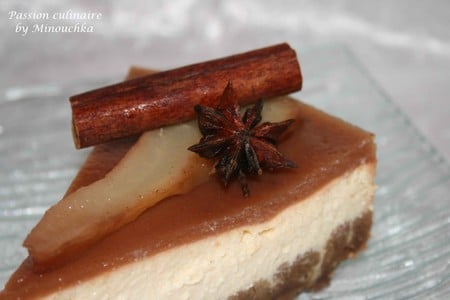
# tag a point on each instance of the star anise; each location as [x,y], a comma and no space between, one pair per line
[240,147]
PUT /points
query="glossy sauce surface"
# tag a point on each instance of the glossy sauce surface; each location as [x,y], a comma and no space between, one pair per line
[323,147]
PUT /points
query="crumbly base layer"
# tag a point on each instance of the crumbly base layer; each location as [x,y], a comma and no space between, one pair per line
[312,271]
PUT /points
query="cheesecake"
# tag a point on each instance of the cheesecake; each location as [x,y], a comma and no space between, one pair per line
[211,243]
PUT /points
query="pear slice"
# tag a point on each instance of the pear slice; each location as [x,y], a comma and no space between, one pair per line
[156,166]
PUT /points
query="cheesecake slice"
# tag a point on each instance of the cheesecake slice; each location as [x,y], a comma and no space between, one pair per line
[211,243]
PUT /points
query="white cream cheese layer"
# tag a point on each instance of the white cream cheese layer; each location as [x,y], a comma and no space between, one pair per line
[220,266]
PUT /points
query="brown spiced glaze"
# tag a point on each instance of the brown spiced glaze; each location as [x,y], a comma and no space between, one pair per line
[292,279]
[322,146]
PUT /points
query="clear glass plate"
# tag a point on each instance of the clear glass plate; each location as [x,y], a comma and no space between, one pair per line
[408,255]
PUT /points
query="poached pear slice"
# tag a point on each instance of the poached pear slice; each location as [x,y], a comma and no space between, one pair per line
[156,167]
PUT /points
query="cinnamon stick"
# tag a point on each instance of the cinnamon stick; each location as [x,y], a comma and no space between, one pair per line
[165,98]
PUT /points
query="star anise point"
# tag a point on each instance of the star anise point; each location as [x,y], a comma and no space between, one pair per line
[240,146]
